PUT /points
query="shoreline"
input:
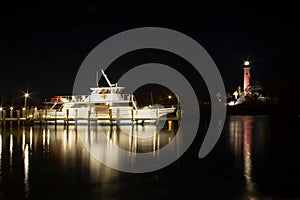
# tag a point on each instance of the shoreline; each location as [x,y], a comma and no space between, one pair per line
[264,109]
[256,109]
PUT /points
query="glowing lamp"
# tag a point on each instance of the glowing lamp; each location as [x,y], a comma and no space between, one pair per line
[246,63]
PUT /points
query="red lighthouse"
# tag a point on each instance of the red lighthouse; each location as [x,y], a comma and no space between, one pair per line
[247,78]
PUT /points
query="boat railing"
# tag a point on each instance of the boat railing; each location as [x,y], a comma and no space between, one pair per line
[75,98]
[124,97]
[86,98]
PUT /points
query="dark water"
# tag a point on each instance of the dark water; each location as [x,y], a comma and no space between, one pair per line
[257,157]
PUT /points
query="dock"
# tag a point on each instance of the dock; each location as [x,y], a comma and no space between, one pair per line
[41,117]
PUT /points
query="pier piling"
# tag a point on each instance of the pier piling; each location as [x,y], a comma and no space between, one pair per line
[55,118]
[110,116]
[18,117]
[67,119]
[76,116]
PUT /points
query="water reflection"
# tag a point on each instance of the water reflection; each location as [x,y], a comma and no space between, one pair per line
[0,154]
[44,162]
[28,154]
[240,132]
[119,147]
[26,170]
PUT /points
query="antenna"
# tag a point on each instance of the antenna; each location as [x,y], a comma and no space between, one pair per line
[110,85]
[151,98]
[97,78]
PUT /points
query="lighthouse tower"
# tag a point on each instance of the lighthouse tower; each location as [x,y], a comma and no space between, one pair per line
[247,78]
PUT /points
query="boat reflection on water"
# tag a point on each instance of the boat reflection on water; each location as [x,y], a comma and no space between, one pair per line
[119,146]
[101,142]
[137,138]
[48,162]
[39,150]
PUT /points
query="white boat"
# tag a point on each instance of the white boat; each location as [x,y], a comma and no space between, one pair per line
[104,105]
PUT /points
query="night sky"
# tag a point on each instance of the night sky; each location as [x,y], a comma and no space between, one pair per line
[42,46]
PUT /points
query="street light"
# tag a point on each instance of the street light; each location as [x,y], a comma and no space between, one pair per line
[170,99]
[26,95]
[11,112]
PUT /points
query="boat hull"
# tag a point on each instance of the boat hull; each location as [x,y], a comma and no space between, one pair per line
[113,116]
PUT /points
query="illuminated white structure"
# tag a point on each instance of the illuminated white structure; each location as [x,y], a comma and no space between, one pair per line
[105,105]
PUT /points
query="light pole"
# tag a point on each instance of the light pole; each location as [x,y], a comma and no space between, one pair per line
[169,99]
[26,95]
[11,111]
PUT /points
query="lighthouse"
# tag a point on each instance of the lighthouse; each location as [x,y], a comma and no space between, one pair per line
[247,78]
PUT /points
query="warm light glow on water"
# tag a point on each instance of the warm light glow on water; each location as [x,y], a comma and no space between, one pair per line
[30,137]
[134,139]
[170,125]
[249,162]
[23,139]
[65,140]
[0,148]
[48,139]
[11,145]
[44,138]
[26,169]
